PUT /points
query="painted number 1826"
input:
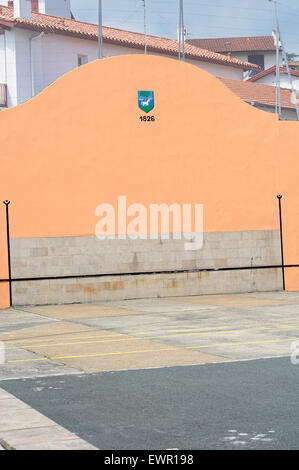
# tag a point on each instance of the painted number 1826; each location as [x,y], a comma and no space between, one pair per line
[147,118]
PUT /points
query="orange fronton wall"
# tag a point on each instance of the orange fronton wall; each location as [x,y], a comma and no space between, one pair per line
[81,143]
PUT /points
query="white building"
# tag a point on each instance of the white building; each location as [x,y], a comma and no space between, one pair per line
[268,77]
[259,50]
[40,41]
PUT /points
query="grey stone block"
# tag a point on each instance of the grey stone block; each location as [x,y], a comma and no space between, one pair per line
[88,255]
[39,251]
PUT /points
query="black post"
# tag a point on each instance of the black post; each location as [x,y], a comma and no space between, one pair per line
[279,197]
[6,203]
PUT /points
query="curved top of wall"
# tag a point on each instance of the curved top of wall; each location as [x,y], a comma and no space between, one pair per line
[149,66]
[81,142]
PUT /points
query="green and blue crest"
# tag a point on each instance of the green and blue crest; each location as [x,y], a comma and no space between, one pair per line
[146,100]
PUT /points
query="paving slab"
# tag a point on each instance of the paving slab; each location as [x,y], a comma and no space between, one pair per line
[281,312]
[252,350]
[12,404]
[123,352]
[69,312]
[24,428]
[11,328]
[159,306]
[280,295]
[233,301]
[69,444]
[5,395]
[221,318]
[161,321]
[15,370]
[10,318]
[36,436]
[22,419]
[22,363]
[44,330]
[147,359]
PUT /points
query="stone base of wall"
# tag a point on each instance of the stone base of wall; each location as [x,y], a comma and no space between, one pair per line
[72,256]
[67,291]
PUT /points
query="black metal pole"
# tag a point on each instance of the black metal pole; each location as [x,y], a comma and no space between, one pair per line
[6,203]
[279,197]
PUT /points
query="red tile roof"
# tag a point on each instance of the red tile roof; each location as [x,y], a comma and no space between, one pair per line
[272,70]
[253,43]
[71,27]
[259,93]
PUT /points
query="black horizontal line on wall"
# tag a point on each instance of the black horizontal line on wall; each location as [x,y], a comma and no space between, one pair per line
[148,273]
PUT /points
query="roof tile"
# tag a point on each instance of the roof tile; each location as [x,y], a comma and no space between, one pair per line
[272,69]
[259,93]
[53,24]
[242,44]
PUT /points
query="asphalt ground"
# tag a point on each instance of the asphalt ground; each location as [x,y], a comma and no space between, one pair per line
[239,405]
[202,372]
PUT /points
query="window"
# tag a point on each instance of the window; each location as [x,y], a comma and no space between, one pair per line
[34,6]
[258,60]
[82,59]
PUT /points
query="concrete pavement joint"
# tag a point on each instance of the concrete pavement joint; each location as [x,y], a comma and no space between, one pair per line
[37,314]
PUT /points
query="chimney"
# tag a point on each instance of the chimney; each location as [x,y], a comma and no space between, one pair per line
[22,9]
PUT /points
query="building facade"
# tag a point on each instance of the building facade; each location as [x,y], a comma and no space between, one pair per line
[268,77]
[259,50]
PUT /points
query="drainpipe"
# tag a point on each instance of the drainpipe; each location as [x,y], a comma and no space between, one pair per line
[32,63]
[5,65]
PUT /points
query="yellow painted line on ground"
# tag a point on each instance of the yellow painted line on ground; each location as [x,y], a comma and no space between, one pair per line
[109,336]
[63,339]
[121,334]
[44,336]
[139,338]
[152,350]
[97,355]
[139,333]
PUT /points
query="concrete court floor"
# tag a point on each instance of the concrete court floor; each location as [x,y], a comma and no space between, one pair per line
[69,340]
[138,334]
